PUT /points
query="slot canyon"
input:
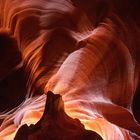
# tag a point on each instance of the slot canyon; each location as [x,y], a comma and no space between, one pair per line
[69,70]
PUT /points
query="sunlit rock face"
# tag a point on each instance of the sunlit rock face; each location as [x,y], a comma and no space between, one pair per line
[86,52]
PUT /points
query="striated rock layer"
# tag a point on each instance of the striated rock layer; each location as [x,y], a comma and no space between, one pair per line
[85,51]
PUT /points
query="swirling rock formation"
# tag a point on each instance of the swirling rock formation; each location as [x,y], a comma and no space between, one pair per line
[86,51]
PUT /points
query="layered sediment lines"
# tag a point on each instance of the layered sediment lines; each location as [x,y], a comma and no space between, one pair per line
[86,52]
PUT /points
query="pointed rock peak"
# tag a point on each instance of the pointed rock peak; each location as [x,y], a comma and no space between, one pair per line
[55,124]
[54,103]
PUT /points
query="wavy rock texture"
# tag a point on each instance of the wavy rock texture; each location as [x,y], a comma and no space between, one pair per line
[86,51]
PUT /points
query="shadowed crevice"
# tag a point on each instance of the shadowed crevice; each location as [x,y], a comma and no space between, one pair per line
[9,55]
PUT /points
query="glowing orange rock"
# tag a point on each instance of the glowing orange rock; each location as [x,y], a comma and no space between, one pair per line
[86,51]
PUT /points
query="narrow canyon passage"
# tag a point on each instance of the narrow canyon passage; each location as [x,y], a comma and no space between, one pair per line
[85,52]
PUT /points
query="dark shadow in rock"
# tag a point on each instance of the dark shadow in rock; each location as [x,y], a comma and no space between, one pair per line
[10,56]
[136,104]
[12,90]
